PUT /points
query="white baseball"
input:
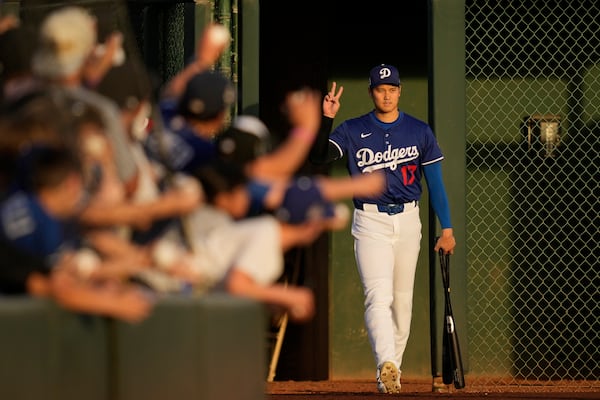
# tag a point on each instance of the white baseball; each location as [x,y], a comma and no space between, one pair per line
[118,58]
[341,216]
[165,254]
[183,182]
[219,35]
[342,213]
[86,261]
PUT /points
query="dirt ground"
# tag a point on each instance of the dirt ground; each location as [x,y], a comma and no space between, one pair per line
[358,389]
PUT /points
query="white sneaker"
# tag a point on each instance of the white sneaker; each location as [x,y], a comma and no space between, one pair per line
[388,378]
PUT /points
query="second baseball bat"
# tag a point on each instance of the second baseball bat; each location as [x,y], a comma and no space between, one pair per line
[452,367]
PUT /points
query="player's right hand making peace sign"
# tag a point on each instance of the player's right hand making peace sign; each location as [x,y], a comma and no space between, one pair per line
[331,102]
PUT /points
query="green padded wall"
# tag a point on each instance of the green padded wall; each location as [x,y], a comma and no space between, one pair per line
[49,353]
[193,346]
[205,348]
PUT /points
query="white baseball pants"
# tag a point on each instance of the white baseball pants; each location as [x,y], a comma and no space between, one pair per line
[386,248]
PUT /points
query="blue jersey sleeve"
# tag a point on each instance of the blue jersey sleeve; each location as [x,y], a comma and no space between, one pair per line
[28,227]
[437,193]
[258,191]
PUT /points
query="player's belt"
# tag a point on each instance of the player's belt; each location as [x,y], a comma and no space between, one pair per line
[389,209]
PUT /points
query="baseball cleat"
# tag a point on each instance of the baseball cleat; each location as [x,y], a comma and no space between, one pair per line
[388,378]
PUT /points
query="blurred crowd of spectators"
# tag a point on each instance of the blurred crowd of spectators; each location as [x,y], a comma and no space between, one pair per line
[113,195]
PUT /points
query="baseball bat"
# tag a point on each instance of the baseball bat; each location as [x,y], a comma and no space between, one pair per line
[447,376]
[452,367]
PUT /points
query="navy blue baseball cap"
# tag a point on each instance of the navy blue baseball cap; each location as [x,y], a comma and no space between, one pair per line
[206,94]
[384,74]
[303,201]
[246,139]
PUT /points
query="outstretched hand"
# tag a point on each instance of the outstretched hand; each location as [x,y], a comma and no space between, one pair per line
[215,39]
[302,303]
[106,55]
[331,102]
[302,108]
[213,42]
[8,22]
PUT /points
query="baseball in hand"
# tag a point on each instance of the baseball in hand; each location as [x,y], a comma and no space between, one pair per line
[86,261]
[118,55]
[165,254]
[341,216]
[218,35]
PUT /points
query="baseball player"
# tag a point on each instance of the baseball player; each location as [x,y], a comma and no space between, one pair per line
[387,228]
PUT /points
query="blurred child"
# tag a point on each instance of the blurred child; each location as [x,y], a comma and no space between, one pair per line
[156,196]
[37,219]
[244,257]
[64,52]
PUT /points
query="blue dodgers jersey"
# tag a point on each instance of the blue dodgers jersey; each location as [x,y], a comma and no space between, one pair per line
[178,147]
[401,149]
[25,224]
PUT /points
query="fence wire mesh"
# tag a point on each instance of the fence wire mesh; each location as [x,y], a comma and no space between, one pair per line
[533,123]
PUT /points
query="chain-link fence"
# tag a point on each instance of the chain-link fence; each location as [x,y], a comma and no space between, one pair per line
[533,123]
